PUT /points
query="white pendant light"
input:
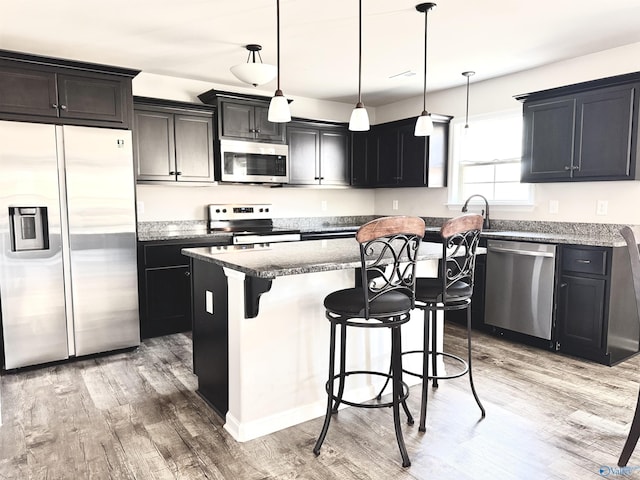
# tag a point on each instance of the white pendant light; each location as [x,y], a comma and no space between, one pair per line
[279,107]
[466,115]
[253,72]
[359,121]
[424,124]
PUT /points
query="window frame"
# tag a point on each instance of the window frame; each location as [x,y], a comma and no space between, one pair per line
[454,200]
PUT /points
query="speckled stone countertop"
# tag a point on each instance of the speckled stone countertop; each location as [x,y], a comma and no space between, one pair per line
[292,258]
[594,234]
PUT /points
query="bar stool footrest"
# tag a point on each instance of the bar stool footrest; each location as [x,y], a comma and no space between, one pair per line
[388,376]
[464,366]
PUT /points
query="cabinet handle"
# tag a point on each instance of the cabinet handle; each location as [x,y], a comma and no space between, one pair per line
[571,168]
[187,274]
[172,173]
[575,167]
[563,285]
[321,178]
[178,173]
[316,178]
[63,107]
[579,260]
[257,130]
[567,168]
[54,105]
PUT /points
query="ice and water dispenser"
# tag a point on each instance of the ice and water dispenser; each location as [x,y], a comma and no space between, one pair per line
[29,228]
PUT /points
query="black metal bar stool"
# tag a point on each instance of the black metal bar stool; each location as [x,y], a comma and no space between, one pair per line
[388,249]
[451,290]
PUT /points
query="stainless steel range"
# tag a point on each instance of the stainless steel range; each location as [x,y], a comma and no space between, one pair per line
[248,223]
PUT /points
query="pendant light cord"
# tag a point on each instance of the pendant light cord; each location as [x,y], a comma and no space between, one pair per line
[424,92]
[466,119]
[360,52]
[278,39]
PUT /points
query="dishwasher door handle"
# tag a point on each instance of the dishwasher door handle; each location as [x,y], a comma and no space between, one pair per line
[520,252]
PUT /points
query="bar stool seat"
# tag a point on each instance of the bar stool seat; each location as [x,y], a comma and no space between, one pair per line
[383,299]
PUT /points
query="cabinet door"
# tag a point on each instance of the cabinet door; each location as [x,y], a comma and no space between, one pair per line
[154,145]
[194,148]
[236,120]
[97,97]
[438,155]
[413,157]
[264,129]
[334,158]
[604,133]
[581,314]
[359,158]
[387,173]
[168,301]
[28,92]
[304,148]
[548,141]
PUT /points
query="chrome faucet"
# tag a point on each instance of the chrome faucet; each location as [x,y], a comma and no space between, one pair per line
[486,225]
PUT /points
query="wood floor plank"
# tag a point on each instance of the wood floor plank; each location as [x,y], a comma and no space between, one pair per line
[137,415]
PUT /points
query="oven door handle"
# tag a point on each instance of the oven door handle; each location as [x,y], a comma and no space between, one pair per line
[265,238]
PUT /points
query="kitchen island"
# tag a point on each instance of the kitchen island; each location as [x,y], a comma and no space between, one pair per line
[260,336]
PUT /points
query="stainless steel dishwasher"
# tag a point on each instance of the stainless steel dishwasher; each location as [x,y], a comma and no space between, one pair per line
[519,287]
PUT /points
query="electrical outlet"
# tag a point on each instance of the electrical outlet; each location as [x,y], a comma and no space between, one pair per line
[208,301]
[553,206]
[323,205]
[602,207]
[394,205]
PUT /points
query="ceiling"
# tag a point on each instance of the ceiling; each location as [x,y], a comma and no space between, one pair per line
[200,39]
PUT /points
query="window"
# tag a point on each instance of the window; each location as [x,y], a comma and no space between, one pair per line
[486,159]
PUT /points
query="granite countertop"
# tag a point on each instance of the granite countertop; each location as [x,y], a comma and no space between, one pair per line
[292,258]
[604,235]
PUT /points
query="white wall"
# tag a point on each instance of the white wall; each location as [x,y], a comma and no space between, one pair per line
[180,202]
[577,201]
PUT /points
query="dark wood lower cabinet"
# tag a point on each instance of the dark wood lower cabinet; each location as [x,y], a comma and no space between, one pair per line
[581,310]
[596,314]
[164,287]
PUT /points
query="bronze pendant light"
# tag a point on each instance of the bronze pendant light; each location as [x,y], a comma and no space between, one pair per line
[359,120]
[424,124]
[279,107]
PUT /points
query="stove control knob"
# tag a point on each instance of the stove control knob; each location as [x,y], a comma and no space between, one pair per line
[217,210]
[266,209]
[224,210]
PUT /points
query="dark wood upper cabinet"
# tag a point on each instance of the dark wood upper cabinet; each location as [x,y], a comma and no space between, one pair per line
[318,153]
[47,90]
[244,117]
[582,132]
[173,141]
[248,121]
[389,155]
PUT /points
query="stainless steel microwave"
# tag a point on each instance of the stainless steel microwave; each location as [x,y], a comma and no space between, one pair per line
[253,162]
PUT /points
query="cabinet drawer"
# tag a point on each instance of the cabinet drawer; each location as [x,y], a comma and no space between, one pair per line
[584,260]
[164,255]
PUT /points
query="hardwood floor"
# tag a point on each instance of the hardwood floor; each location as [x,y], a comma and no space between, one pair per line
[136,415]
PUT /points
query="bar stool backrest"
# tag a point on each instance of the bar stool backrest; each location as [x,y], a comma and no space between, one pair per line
[460,237]
[388,250]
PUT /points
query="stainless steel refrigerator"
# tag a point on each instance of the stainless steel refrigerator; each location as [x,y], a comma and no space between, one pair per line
[68,272]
